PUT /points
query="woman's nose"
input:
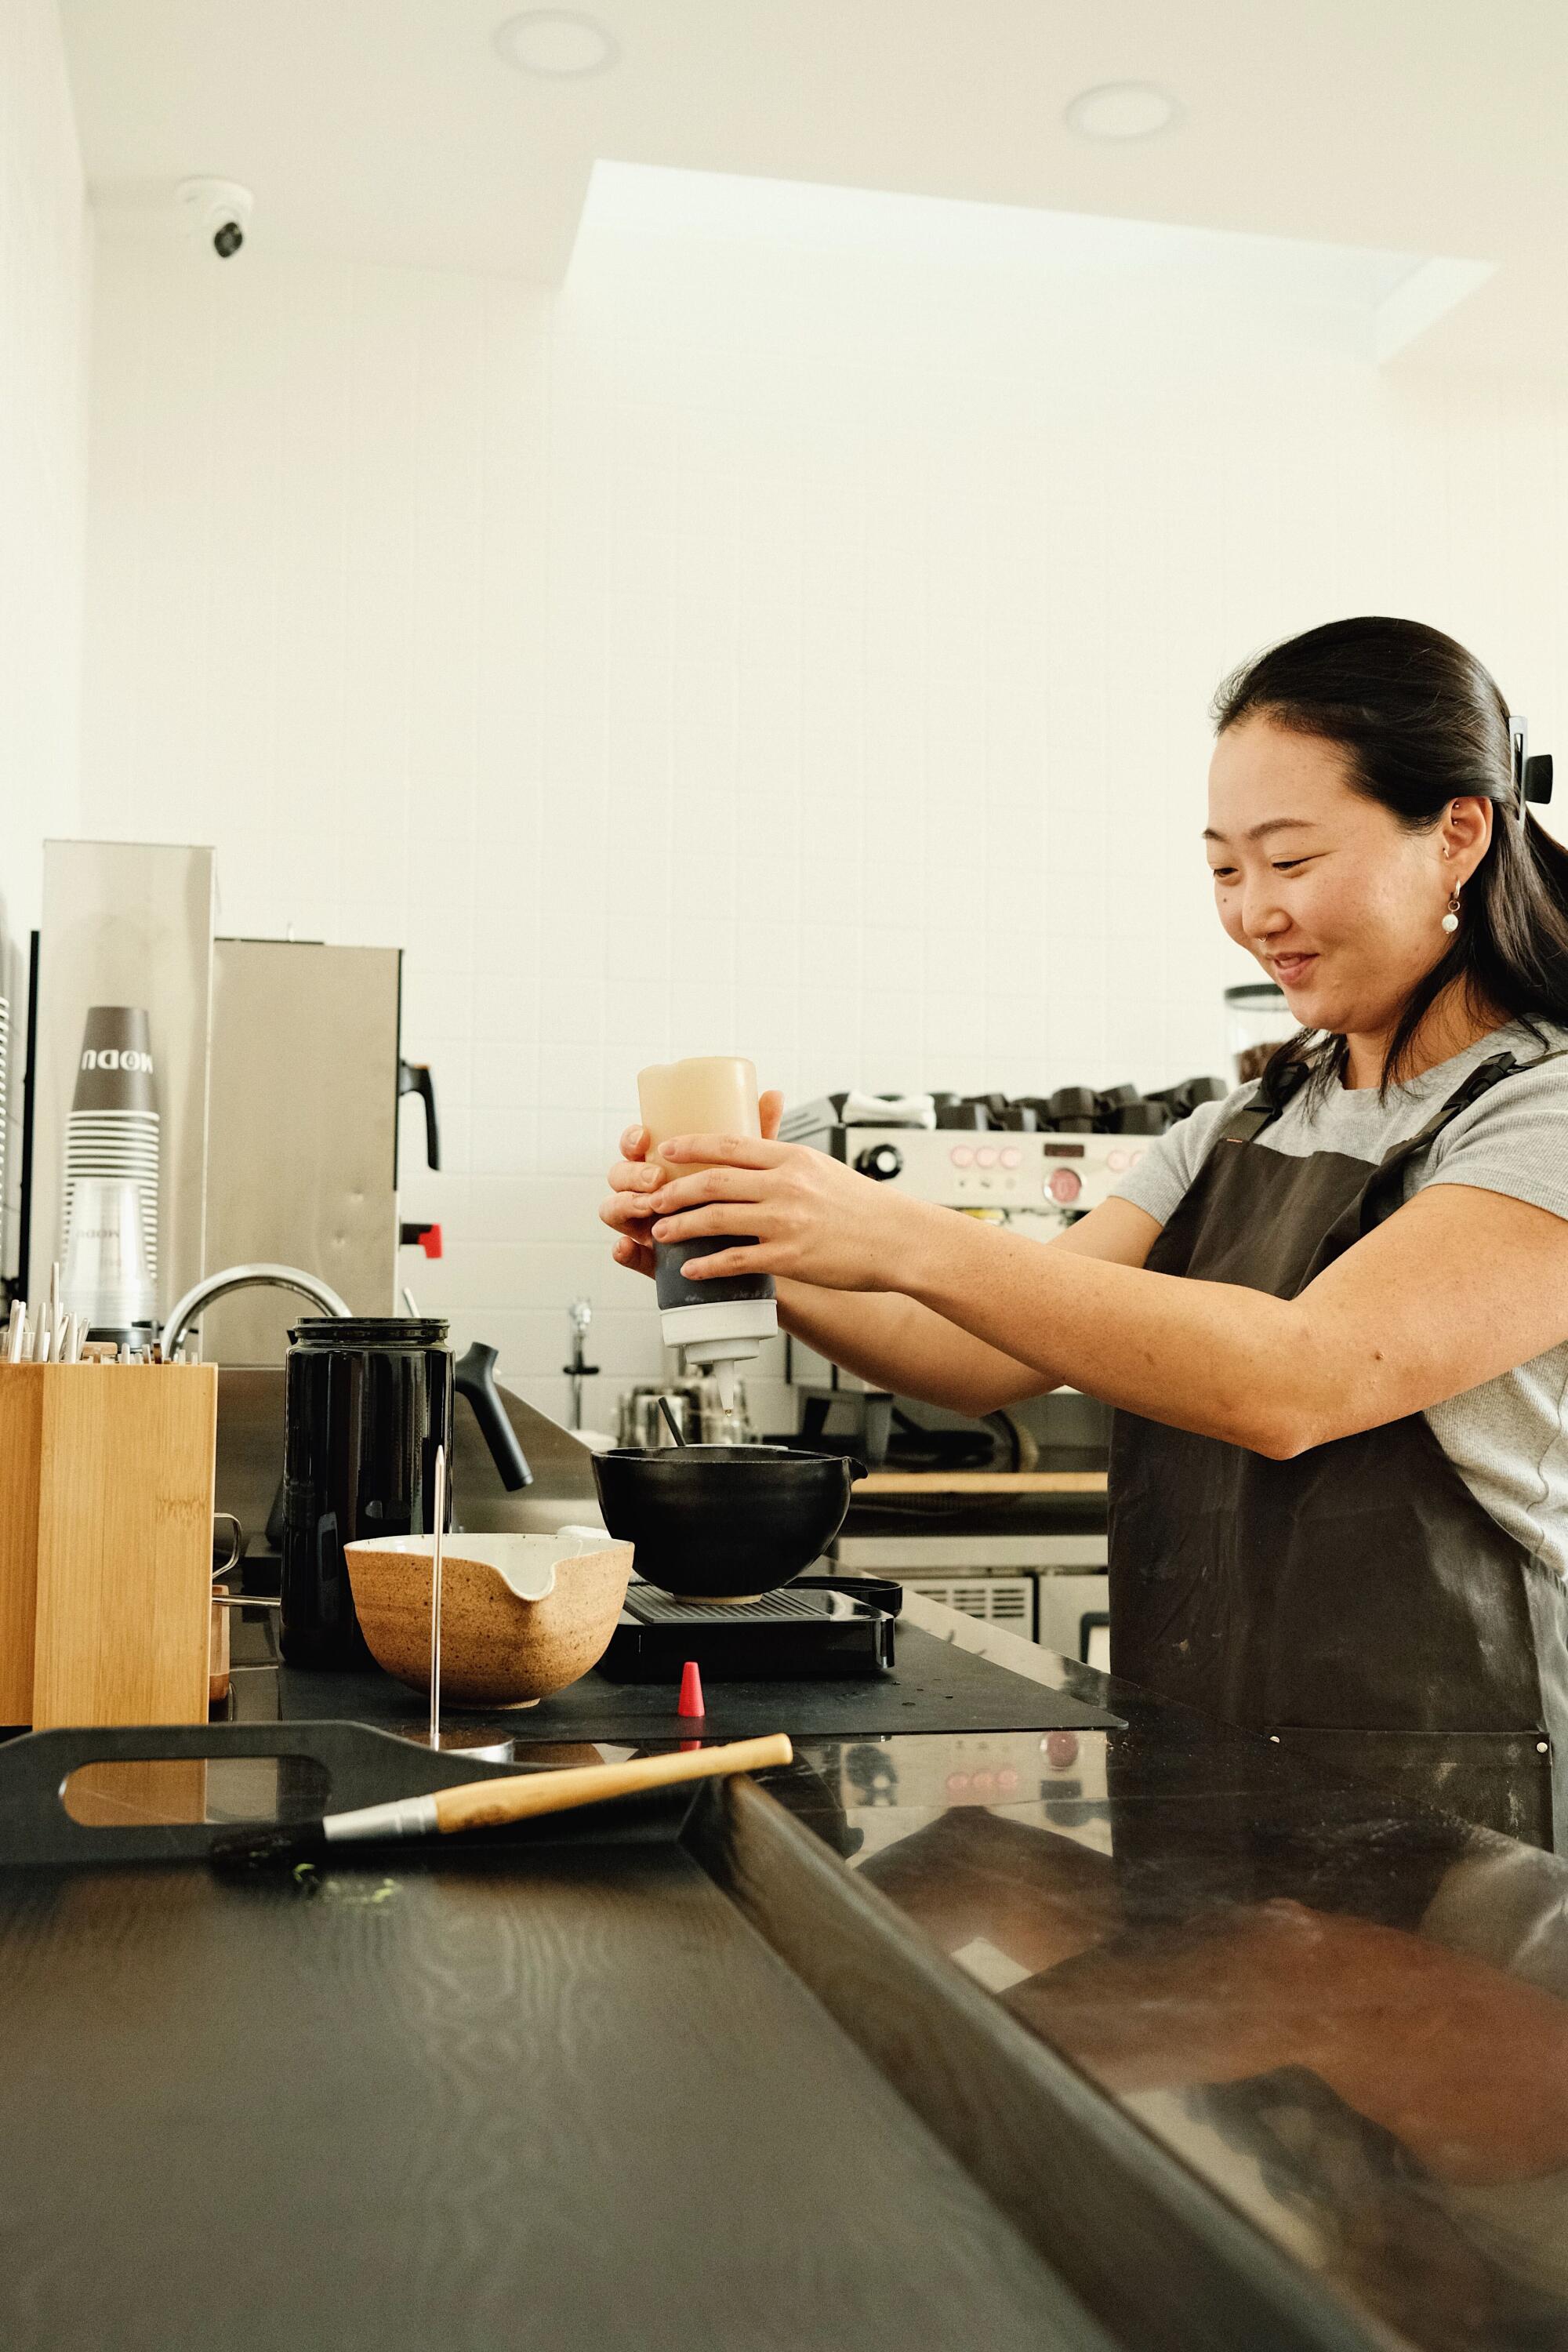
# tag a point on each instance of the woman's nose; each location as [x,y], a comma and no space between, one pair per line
[1262,915]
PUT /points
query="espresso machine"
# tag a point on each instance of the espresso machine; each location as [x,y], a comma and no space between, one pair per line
[1033,1164]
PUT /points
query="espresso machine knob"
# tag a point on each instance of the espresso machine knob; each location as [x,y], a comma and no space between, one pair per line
[1141,1119]
[1071,1110]
[880,1161]
[1185,1098]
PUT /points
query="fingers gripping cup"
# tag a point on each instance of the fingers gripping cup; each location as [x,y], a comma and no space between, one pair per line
[712,1326]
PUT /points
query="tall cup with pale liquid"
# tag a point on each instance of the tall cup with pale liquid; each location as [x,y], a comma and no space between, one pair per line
[712,1325]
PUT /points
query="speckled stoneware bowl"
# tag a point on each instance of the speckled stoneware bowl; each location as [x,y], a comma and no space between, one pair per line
[522,1615]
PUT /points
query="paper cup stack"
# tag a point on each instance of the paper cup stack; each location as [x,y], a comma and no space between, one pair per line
[108,1221]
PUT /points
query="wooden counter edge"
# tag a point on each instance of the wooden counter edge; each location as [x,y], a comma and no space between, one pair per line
[981,1482]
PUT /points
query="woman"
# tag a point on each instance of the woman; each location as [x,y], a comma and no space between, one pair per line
[1332,1311]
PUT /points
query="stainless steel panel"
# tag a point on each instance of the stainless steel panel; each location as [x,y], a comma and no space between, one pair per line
[1031,1179]
[127,922]
[303,1132]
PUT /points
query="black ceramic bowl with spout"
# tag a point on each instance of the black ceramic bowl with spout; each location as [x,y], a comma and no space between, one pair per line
[724,1522]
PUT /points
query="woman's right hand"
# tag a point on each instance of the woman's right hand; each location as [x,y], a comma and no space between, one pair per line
[632,1180]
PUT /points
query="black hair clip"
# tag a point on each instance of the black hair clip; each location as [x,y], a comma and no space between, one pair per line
[1531,776]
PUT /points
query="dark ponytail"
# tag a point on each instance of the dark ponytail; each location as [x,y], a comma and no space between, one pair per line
[1424,724]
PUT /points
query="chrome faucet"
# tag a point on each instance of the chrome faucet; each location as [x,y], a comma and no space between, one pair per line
[205,1294]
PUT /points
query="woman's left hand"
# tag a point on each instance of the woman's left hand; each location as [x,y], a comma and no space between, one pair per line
[814,1219]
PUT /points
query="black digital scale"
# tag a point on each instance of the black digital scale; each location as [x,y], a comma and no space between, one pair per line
[819,1626]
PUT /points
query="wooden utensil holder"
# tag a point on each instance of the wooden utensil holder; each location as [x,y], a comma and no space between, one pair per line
[106,1513]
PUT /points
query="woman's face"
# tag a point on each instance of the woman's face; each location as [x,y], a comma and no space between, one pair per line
[1338,901]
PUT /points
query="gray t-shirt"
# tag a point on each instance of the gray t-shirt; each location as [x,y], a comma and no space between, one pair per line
[1506,1439]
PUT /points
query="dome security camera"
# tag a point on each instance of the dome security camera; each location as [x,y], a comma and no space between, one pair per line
[219,210]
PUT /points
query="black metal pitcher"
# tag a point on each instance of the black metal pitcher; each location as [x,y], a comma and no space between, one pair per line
[367,1400]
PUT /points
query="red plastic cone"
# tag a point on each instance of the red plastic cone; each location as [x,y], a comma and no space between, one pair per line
[690,1701]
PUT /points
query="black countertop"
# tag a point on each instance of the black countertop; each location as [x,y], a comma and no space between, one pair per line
[1350,2018]
[1342,2025]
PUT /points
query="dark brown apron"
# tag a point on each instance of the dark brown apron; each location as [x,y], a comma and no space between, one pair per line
[1357,1603]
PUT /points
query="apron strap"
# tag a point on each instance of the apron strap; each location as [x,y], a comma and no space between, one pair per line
[1382,1195]
[1283,1079]
[1279,1082]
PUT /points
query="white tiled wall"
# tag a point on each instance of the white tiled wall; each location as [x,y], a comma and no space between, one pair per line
[44,294]
[740,651]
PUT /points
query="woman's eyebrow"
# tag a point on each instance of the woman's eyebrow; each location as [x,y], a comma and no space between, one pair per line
[1261,832]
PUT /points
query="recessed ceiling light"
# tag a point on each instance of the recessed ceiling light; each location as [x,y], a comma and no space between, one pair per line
[1122,109]
[556,41]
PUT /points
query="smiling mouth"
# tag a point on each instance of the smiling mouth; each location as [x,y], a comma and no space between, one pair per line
[1291,967]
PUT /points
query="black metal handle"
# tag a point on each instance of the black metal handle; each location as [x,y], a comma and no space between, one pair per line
[414,1078]
[475,1377]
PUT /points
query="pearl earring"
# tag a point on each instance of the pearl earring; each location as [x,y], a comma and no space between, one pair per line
[1451,919]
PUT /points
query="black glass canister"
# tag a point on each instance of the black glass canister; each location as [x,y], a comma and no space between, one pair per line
[368,1399]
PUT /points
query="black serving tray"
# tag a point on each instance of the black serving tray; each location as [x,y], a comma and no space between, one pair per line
[325,1767]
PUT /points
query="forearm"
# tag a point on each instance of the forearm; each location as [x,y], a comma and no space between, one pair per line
[1459,1285]
[1214,1358]
[898,1345]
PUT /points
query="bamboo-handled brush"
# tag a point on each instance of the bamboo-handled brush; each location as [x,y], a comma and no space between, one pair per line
[485,1804]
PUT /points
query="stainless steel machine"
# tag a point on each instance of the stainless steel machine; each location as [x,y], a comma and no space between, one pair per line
[269,1074]
[307,1075]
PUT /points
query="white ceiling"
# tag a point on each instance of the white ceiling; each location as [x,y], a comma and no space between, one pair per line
[1354,299]
[390,130]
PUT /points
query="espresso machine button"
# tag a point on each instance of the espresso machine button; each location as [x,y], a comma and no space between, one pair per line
[880,1161]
